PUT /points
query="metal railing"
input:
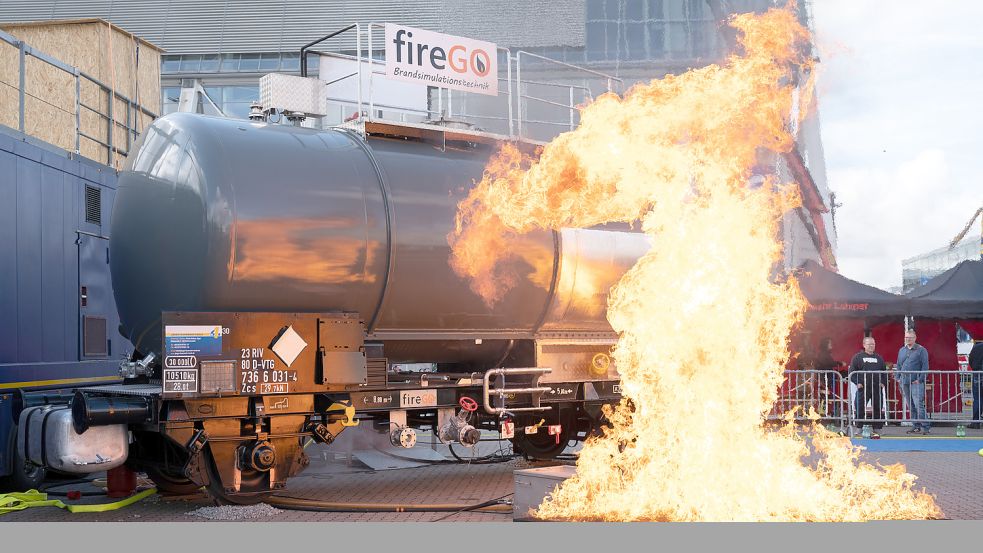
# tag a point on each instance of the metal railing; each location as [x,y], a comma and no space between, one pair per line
[813,390]
[517,96]
[500,390]
[110,119]
[917,399]
[572,106]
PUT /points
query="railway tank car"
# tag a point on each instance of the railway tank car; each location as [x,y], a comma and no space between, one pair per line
[273,279]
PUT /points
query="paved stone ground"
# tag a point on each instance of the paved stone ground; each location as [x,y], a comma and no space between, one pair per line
[328,479]
[954,478]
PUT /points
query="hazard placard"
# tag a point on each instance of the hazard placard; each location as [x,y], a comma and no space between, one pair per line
[508,430]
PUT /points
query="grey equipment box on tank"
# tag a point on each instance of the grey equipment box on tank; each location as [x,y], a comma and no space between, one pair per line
[533,485]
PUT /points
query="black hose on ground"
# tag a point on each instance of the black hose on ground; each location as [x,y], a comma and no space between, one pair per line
[303,504]
[489,459]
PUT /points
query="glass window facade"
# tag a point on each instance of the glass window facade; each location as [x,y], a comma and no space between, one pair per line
[648,30]
[638,30]
[287,62]
[234,100]
[920,269]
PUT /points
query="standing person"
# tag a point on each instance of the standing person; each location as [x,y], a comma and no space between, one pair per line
[869,383]
[830,382]
[976,365]
[913,367]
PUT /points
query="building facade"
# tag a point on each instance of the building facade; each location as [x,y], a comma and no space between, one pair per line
[919,269]
[227,45]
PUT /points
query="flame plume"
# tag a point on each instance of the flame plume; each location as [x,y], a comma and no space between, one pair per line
[702,331]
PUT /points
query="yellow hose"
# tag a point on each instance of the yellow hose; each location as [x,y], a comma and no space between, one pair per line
[32,498]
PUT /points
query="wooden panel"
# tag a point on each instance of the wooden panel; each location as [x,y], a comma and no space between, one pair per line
[49,104]
[119,60]
[9,79]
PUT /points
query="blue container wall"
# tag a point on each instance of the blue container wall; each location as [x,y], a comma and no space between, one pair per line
[43,235]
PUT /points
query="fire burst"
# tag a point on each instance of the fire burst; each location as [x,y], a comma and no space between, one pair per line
[702,330]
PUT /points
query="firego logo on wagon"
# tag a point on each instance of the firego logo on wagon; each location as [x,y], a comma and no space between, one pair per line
[445,61]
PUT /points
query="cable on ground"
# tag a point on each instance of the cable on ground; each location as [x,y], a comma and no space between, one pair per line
[304,504]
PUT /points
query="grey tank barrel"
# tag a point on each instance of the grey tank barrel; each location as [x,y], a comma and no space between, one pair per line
[226,215]
[89,411]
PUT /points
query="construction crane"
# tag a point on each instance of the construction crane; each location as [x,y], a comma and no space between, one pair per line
[965,229]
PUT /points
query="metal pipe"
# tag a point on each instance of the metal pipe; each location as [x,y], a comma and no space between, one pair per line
[506,391]
[540,122]
[118,94]
[558,85]
[501,391]
[304,48]
[341,78]
[112,128]
[92,234]
[23,83]
[572,109]
[518,92]
[571,66]
[78,113]
[89,411]
[129,106]
[529,370]
[508,67]
[551,102]
[358,55]
[371,61]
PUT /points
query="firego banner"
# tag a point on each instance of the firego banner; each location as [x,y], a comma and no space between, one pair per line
[441,60]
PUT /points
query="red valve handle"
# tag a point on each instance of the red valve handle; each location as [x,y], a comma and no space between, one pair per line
[468,404]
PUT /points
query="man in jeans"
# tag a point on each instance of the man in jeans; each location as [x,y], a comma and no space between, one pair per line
[976,365]
[913,367]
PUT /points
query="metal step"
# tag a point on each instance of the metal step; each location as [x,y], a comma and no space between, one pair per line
[141,390]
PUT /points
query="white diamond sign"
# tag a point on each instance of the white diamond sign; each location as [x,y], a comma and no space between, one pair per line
[289,345]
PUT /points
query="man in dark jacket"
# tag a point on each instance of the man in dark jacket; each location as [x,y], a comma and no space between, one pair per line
[912,371]
[868,371]
[976,365]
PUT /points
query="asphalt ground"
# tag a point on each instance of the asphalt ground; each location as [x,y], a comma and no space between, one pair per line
[955,478]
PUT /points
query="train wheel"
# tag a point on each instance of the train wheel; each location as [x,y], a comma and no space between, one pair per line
[24,476]
[168,482]
[540,446]
[253,487]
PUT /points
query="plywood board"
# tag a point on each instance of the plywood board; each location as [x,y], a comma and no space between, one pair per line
[122,62]
[9,79]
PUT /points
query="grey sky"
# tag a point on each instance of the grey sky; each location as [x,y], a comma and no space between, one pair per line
[899,100]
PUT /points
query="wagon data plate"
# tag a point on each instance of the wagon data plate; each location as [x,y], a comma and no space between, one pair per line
[250,354]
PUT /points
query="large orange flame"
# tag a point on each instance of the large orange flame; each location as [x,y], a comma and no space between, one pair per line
[703,331]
